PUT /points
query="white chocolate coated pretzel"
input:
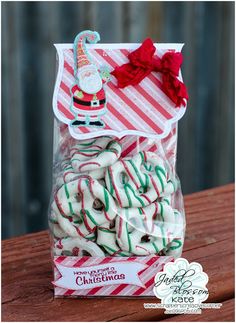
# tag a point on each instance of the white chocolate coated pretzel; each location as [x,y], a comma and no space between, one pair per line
[68,245]
[175,247]
[95,154]
[106,238]
[69,174]
[81,205]
[93,182]
[157,223]
[139,181]
[55,227]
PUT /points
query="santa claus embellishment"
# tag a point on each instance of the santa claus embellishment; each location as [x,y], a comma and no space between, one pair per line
[118,89]
[88,95]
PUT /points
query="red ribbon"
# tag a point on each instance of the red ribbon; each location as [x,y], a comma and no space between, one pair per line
[143,62]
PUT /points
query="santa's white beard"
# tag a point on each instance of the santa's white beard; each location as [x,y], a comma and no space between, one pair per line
[91,84]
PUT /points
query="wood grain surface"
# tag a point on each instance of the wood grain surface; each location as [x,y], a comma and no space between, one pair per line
[27,294]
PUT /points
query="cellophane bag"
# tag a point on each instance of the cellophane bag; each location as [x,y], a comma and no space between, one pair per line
[116,213]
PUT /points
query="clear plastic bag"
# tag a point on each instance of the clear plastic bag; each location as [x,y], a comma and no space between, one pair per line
[116,212]
[115,197]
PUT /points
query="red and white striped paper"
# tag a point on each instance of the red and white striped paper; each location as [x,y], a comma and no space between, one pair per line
[166,147]
[153,264]
[143,110]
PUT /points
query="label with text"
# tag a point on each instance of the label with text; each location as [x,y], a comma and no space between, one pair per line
[100,275]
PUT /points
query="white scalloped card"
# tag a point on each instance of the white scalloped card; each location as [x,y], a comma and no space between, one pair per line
[143,110]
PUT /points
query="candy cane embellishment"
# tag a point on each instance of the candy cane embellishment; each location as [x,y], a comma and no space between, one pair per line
[85,200]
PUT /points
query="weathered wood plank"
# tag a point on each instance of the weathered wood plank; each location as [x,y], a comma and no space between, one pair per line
[28,293]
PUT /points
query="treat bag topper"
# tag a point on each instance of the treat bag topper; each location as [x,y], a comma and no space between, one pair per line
[118,89]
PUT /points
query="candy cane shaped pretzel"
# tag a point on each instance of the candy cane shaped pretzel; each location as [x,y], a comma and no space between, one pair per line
[139,181]
[86,200]
[77,246]
[148,230]
[95,154]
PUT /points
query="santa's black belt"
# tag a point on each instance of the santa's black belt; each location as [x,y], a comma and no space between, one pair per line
[93,103]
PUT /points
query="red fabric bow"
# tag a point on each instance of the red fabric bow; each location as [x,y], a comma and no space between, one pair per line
[143,62]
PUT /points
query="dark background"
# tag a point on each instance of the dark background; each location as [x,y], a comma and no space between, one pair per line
[29,29]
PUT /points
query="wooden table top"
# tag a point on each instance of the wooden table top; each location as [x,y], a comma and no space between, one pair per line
[27,293]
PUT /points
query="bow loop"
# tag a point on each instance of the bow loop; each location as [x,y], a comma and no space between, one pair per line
[171,63]
[142,62]
[142,56]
